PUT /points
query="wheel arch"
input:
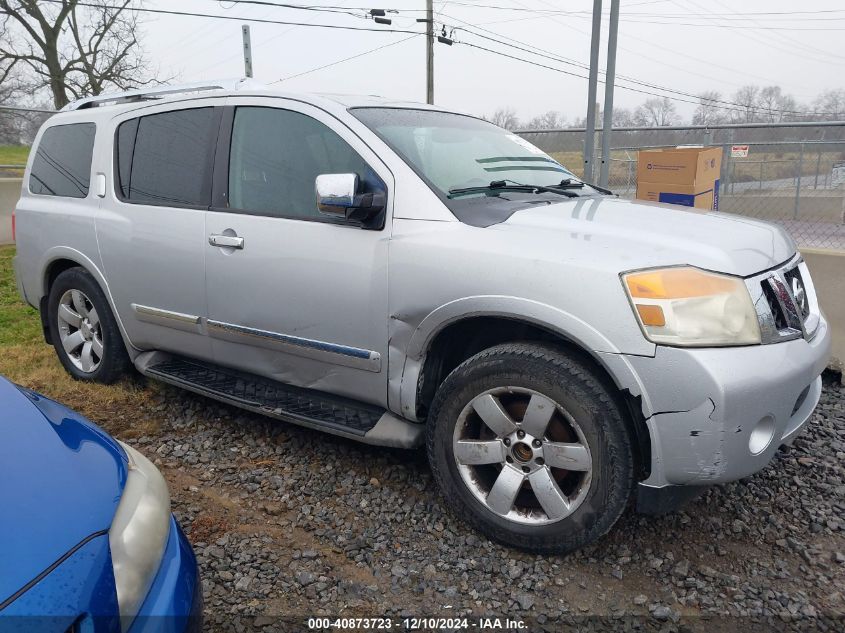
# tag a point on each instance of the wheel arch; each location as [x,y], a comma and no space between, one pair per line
[55,262]
[438,346]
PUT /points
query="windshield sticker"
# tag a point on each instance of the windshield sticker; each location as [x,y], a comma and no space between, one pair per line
[521,141]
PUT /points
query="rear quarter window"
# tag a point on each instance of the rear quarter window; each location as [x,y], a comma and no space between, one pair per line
[62,162]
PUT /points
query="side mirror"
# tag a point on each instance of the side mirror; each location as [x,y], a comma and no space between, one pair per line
[337,196]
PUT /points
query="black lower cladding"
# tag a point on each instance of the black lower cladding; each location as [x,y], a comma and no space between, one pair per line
[665,500]
[269,396]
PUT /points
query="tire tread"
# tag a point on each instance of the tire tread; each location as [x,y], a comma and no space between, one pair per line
[620,452]
[115,362]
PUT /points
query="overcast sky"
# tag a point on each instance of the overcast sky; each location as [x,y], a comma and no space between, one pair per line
[687,45]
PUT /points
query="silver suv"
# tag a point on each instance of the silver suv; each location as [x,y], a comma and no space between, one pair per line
[398,275]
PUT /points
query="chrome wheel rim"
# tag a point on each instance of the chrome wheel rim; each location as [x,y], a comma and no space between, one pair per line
[79,331]
[522,455]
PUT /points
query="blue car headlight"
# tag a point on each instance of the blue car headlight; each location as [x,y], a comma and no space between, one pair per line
[139,533]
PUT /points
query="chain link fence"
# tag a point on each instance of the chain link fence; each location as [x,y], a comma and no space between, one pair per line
[794,173]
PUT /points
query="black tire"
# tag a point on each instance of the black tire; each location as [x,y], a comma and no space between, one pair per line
[115,361]
[573,385]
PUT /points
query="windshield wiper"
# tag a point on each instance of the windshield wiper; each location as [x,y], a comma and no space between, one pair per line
[568,183]
[503,185]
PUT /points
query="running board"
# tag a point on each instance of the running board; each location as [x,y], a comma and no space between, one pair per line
[314,409]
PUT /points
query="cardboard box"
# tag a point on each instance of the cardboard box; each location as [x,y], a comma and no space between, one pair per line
[687,176]
[685,195]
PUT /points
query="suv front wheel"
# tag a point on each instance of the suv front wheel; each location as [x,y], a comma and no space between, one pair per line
[530,447]
[83,330]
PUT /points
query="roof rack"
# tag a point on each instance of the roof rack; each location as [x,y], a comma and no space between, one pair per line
[143,94]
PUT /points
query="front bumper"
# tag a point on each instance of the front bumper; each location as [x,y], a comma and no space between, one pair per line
[721,413]
[79,594]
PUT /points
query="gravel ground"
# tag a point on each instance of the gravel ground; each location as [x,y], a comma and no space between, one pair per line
[294,523]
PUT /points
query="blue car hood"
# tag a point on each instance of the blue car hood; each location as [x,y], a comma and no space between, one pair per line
[61,479]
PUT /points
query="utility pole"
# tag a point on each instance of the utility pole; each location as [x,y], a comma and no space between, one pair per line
[590,134]
[609,81]
[247,51]
[429,50]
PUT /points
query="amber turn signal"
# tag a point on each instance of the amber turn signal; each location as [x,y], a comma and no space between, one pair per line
[651,315]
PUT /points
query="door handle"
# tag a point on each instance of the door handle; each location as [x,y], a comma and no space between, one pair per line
[226,241]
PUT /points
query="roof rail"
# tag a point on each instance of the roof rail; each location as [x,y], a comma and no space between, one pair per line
[142,94]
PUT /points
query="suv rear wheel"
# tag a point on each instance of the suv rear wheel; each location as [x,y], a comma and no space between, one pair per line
[530,447]
[83,330]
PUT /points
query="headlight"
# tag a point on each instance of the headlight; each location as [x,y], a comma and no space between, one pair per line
[689,307]
[139,533]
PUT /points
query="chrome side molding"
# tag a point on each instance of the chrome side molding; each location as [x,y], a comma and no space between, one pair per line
[167,318]
[305,347]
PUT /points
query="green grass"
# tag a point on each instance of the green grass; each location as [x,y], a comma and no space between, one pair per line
[13,154]
[122,409]
[19,323]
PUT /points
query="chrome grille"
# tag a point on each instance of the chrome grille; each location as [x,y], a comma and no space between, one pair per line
[785,302]
[799,292]
[771,298]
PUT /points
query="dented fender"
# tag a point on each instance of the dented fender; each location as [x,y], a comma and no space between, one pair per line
[409,344]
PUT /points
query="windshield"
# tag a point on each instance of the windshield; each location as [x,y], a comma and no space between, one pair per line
[482,173]
[452,151]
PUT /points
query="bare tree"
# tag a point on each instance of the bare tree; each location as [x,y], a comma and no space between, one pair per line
[656,112]
[551,120]
[504,117]
[622,117]
[10,132]
[746,108]
[72,50]
[775,107]
[768,101]
[789,109]
[12,122]
[708,111]
[830,105]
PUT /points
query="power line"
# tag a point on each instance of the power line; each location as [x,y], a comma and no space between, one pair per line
[659,18]
[238,18]
[257,45]
[806,47]
[565,72]
[650,43]
[554,57]
[768,43]
[211,27]
[346,59]
[746,27]
[579,13]
[749,13]
[712,103]
[664,88]
[302,7]
[729,17]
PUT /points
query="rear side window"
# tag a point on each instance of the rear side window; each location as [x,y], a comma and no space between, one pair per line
[62,163]
[165,159]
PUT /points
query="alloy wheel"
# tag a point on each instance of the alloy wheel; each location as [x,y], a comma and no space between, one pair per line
[522,455]
[79,331]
